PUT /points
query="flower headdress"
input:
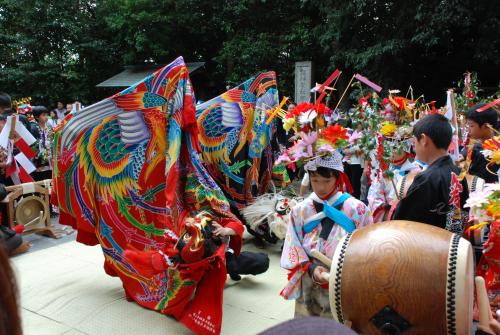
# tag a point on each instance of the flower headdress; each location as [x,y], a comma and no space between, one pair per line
[398,114]
[23,105]
[316,142]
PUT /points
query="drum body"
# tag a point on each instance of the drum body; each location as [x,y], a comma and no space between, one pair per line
[416,276]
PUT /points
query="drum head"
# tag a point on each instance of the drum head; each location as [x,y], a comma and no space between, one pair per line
[30,211]
[417,275]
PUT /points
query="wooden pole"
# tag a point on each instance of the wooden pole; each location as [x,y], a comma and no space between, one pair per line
[12,134]
[343,94]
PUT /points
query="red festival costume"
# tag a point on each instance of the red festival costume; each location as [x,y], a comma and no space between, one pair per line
[127,175]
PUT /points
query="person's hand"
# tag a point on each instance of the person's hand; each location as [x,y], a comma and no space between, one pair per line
[222,231]
[493,325]
[317,275]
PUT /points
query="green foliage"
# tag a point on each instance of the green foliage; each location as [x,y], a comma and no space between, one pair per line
[53,51]
[59,50]
[468,96]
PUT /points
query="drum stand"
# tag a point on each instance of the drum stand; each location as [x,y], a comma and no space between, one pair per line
[33,210]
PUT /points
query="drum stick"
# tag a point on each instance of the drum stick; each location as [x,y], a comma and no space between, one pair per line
[322,258]
[483,304]
[325,276]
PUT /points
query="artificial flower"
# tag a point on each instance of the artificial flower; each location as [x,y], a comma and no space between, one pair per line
[398,102]
[356,135]
[404,132]
[299,109]
[492,187]
[363,102]
[322,109]
[477,199]
[283,159]
[335,133]
[326,148]
[308,140]
[493,209]
[320,122]
[307,117]
[388,129]
[495,158]
[299,154]
[288,124]
[492,149]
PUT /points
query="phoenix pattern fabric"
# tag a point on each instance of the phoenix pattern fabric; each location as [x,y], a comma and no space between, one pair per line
[127,170]
[236,141]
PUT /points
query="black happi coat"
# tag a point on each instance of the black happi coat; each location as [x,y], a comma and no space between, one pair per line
[428,198]
[478,165]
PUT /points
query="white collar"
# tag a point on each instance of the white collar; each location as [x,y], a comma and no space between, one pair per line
[321,215]
[407,166]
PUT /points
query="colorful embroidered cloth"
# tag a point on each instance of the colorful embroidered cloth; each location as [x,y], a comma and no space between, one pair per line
[127,169]
[235,140]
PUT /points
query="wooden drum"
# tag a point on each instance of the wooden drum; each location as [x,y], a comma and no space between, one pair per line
[402,277]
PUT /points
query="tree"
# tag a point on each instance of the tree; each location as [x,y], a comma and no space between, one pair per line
[62,49]
[422,43]
[53,51]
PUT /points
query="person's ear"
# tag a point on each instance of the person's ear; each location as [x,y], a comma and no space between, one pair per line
[486,126]
[426,141]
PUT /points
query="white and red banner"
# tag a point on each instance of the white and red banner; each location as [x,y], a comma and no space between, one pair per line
[20,165]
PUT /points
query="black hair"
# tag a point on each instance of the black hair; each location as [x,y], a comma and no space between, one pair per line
[437,128]
[38,110]
[487,116]
[5,100]
[325,172]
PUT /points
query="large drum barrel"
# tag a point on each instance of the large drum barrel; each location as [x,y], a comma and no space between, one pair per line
[402,277]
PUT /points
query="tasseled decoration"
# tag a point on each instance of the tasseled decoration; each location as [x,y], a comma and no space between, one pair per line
[344,184]
[147,263]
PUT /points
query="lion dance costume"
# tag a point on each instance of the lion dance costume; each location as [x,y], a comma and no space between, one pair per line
[128,176]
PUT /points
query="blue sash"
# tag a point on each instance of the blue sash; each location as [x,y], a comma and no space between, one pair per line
[335,215]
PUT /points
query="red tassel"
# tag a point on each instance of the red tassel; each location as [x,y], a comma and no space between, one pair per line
[344,184]
[147,263]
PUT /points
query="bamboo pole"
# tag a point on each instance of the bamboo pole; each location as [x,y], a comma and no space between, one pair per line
[343,94]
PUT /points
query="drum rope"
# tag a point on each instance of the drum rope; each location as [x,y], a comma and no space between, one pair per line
[402,188]
[452,268]
[474,183]
[338,277]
